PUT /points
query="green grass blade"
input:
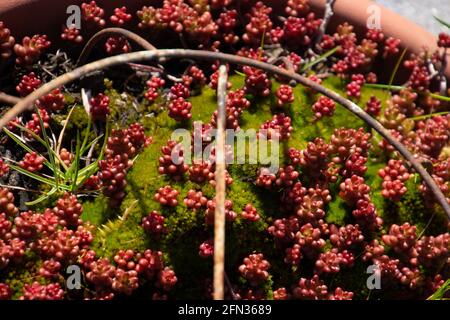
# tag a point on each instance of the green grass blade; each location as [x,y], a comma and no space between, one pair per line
[35,176]
[384,86]
[439,97]
[76,163]
[42,198]
[39,139]
[447,24]
[47,145]
[426,116]
[397,66]
[89,145]
[19,141]
[319,59]
[439,294]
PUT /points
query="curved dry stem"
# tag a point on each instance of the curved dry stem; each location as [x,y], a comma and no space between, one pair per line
[108,32]
[27,102]
[8,99]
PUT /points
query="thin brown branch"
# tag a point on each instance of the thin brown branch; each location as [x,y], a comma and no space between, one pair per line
[219,215]
[8,99]
[28,101]
[329,12]
[108,32]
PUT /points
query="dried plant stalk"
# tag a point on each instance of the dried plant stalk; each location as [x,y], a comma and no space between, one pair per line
[219,215]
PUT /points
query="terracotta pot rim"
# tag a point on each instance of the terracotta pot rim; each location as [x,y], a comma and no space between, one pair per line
[413,36]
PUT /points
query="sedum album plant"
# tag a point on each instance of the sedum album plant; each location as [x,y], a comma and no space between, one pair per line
[363,130]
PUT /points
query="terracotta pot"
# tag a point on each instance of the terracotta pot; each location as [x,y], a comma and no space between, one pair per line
[27,17]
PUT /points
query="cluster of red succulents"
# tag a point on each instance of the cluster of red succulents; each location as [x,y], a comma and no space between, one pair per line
[394,175]
[36,291]
[201,172]
[345,237]
[4,168]
[254,269]
[354,165]
[52,102]
[120,16]
[284,229]
[28,84]
[125,276]
[313,158]
[280,127]
[154,223]
[100,107]
[444,40]
[180,109]
[117,45]
[91,12]
[297,8]
[345,142]
[194,77]
[32,162]
[250,213]
[410,254]
[195,200]
[206,249]
[259,24]
[287,176]
[373,106]
[34,124]
[257,82]
[285,95]
[214,81]
[50,268]
[315,289]
[293,196]
[311,208]
[66,156]
[119,145]
[226,22]
[236,104]
[72,34]
[354,189]
[433,135]
[331,261]
[7,202]
[354,87]
[265,178]
[230,215]
[300,31]
[69,210]
[154,85]
[122,146]
[31,49]
[324,106]
[419,79]
[198,25]
[172,162]
[167,196]
[6,42]
[112,174]
[5,292]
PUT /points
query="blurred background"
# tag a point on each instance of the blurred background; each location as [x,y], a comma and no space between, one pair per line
[421,11]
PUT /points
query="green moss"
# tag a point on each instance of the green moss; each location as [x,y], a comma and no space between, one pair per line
[120,228]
